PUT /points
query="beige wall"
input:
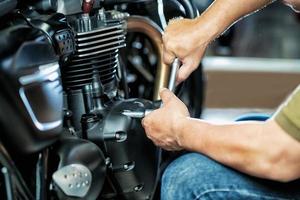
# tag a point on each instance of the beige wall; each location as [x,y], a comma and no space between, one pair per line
[226,89]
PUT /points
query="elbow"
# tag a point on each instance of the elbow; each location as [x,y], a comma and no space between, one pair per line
[281,169]
[283,173]
[282,163]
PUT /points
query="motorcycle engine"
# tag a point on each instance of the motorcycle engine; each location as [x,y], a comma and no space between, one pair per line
[94,65]
[93,105]
[68,64]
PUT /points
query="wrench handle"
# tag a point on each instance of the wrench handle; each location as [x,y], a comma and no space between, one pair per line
[173,73]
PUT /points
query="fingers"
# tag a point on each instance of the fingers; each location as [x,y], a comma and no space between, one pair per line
[189,64]
[183,73]
[166,95]
[160,141]
[161,136]
[168,56]
[185,70]
[144,122]
[147,120]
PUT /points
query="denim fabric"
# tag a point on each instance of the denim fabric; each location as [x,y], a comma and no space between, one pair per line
[197,177]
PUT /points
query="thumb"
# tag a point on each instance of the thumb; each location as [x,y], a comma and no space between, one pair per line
[166,95]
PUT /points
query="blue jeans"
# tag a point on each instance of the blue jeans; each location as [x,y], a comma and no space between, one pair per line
[197,177]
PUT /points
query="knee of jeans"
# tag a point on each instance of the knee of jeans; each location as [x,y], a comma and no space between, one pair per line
[185,166]
[183,174]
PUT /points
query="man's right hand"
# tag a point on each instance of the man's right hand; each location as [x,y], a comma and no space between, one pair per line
[184,40]
[187,39]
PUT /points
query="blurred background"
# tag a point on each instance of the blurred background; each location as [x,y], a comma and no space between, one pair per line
[254,66]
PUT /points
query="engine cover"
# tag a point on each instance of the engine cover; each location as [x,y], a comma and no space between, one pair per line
[81,171]
[135,160]
[31,92]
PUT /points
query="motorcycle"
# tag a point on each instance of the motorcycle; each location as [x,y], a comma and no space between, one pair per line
[65,78]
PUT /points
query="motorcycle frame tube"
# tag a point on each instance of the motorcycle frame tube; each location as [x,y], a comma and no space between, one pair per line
[148,27]
[16,177]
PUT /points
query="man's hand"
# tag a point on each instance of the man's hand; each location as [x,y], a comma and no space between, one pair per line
[183,40]
[187,39]
[163,126]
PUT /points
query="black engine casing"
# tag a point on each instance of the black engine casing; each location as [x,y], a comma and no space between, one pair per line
[31,92]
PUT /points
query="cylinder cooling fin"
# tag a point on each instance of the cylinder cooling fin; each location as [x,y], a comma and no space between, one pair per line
[98,38]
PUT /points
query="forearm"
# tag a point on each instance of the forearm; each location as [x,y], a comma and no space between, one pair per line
[223,13]
[253,148]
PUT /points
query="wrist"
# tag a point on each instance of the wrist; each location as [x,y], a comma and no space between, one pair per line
[181,131]
[205,32]
[193,134]
[212,22]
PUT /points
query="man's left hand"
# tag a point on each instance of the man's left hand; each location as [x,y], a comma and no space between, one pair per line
[163,126]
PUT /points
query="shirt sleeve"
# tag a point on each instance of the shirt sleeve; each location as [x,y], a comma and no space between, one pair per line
[288,115]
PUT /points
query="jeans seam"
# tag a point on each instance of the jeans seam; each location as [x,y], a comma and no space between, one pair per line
[238,191]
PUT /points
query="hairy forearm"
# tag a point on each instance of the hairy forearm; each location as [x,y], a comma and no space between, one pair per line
[223,13]
[256,148]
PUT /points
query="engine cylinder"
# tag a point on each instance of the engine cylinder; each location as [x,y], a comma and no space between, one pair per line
[98,38]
